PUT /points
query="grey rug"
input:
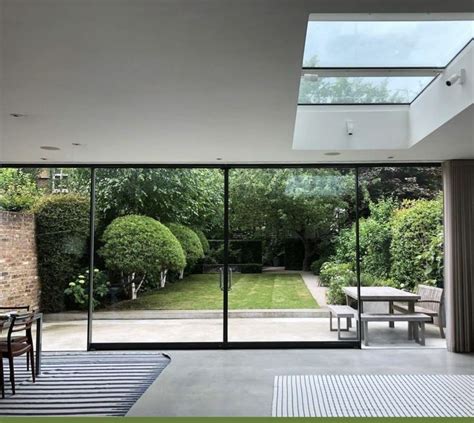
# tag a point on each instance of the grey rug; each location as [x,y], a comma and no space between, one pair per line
[373,396]
[82,384]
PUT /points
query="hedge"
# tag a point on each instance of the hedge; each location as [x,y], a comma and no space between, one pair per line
[18,190]
[192,246]
[203,239]
[62,229]
[416,249]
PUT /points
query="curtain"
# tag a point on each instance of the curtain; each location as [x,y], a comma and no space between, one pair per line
[458,178]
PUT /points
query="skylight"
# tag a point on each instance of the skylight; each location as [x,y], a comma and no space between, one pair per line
[377,62]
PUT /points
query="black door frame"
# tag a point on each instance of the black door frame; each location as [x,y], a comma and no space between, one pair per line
[225,344]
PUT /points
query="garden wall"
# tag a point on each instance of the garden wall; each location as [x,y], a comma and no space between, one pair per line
[19,281]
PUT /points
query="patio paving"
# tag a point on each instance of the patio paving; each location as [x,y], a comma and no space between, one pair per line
[71,335]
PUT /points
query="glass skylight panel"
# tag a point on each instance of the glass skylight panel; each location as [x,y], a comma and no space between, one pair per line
[384,43]
[360,90]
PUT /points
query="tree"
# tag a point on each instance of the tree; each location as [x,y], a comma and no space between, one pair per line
[192,197]
[18,190]
[311,204]
[140,247]
[190,242]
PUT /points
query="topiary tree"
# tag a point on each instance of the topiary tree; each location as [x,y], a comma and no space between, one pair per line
[416,249]
[62,229]
[190,242]
[139,247]
[204,242]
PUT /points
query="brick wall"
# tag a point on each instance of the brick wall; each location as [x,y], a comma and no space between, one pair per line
[19,282]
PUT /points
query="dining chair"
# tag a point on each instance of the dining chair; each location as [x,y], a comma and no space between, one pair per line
[15,309]
[12,348]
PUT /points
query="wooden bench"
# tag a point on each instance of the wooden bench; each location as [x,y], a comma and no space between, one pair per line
[418,318]
[342,312]
[430,303]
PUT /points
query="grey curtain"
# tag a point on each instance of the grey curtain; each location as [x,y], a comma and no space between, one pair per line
[458,176]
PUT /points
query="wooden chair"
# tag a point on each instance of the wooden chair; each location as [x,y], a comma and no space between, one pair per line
[17,310]
[430,303]
[12,348]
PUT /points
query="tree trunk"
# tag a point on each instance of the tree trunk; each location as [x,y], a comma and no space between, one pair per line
[181,274]
[307,258]
[163,278]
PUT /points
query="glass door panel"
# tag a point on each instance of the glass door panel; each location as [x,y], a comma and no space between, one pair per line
[158,255]
[283,227]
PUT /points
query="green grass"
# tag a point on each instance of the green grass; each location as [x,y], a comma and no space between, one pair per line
[249,291]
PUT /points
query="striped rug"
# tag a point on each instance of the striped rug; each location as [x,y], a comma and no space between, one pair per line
[373,396]
[82,384]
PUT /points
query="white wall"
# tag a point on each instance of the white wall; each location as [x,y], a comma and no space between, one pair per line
[439,103]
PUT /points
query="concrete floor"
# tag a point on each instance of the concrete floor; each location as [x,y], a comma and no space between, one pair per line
[240,382]
[71,335]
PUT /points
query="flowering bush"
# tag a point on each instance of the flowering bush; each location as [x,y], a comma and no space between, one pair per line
[78,290]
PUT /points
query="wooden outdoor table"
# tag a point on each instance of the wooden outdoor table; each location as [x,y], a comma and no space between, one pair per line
[38,317]
[384,294]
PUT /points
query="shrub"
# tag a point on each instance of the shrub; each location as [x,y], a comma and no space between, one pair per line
[251,268]
[190,242]
[78,289]
[330,270]
[416,249]
[203,239]
[335,293]
[316,265]
[62,228]
[139,247]
[18,190]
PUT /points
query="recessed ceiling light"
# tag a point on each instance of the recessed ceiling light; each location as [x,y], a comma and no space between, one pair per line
[390,157]
[49,147]
[75,144]
[17,115]
[44,158]
[332,153]
[218,158]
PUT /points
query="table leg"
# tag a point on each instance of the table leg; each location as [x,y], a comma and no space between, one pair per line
[390,310]
[411,330]
[39,329]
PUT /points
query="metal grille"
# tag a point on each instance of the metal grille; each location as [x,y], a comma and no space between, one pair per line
[373,396]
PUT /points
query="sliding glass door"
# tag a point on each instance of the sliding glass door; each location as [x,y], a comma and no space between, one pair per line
[159,256]
[283,222]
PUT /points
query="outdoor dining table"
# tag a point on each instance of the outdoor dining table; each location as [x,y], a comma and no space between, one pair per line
[383,294]
[38,318]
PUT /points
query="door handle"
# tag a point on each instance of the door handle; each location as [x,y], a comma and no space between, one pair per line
[221,278]
[229,282]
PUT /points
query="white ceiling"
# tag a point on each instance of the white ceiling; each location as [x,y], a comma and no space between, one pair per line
[174,81]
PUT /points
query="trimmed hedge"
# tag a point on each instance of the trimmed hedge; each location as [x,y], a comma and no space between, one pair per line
[192,247]
[417,239]
[62,229]
[203,239]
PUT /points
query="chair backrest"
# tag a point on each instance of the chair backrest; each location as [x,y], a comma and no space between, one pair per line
[15,308]
[20,323]
[430,293]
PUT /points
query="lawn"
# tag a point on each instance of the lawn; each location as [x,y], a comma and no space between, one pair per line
[249,291]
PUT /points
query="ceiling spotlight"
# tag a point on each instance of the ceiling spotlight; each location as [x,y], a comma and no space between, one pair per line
[332,153]
[49,147]
[390,157]
[17,115]
[76,144]
[350,127]
[457,77]
[44,158]
[218,158]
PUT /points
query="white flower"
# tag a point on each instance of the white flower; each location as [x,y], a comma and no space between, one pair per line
[72,284]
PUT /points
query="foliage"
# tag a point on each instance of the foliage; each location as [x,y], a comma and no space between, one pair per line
[18,190]
[416,244]
[203,239]
[374,240]
[189,241]
[139,247]
[335,293]
[78,289]
[316,265]
[331,270]
[192,197]
[310,204]
[62,228]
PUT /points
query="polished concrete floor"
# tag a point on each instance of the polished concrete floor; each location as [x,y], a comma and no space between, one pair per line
[240,382]
[71,335]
